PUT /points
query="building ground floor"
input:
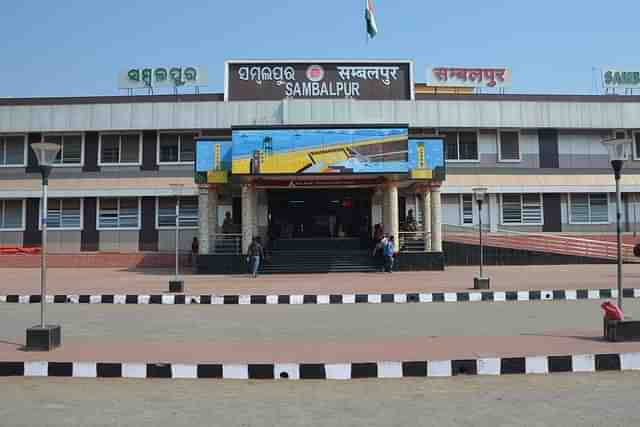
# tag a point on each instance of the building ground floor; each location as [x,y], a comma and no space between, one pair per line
[292,215]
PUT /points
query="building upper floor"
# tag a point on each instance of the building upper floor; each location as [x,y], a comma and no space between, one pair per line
[145,152]
[140,139]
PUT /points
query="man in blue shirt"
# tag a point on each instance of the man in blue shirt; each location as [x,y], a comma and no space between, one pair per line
[389,251]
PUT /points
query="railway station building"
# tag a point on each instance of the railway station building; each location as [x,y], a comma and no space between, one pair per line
[312,156]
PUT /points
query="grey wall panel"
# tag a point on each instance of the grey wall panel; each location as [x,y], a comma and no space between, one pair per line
[121,116]
[41,117]
[79,117]
[11,238]
[451,209]
[589,228]
[70,241]
[424,113]
[100,117]
[60,117]
[167,240]
[119,241]
[522,228]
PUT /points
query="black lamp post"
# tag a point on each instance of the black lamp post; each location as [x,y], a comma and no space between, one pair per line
[177,284]
[480,282]
[619,151]
[44,337]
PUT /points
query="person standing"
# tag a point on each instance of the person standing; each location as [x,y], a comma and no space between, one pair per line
[389,252]
[255,254]
[195,250]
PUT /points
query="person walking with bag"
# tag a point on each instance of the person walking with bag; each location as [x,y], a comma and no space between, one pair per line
[389,252]
[255,254]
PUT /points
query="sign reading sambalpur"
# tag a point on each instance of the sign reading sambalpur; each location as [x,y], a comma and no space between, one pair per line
[275,80]
[147,77]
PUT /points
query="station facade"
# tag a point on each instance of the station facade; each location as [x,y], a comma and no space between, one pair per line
[539,156]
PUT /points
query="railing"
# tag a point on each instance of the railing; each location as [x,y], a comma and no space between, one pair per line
[227,244]
[414,241]
[539,242]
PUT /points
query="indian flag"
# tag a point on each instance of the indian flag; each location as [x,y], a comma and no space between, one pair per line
[372,28]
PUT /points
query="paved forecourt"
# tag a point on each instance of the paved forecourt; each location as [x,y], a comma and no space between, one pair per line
[554,400]
[455,279]
[330,341]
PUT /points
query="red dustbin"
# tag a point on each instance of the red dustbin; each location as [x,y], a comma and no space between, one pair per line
[612,311]
[616,328]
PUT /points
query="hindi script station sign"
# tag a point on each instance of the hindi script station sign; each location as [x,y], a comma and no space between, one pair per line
[273,80]
[477,77]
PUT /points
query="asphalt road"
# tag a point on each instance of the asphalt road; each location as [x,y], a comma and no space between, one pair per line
[604,399]
[337,323]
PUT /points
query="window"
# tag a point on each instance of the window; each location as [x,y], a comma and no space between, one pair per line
[119,213]
[461,145]
[509,146]
[618,134]
[176,147]
[70,149]
[589,208]
[467,208]
[64,214]
[120,149]
[11,215]
[636,145]
[167,212]
[522,209]
[12,150]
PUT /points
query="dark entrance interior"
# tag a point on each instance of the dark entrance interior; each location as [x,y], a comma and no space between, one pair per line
[320,213]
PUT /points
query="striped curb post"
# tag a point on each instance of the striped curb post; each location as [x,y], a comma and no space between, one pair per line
[527,365]
[312,299]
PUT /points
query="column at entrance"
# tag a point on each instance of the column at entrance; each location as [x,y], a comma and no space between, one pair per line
[436,220]
[425,193]
[248,215]
[390,208]
[208,208]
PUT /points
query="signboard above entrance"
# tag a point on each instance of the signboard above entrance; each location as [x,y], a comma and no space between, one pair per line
[276,80]
[336,151]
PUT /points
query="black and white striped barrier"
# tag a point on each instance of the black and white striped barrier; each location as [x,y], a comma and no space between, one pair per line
[381,298]
[335,371]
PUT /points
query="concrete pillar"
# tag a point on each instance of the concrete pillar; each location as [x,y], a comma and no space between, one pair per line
[248,215]
[426,212]
[208,212]
[377,207]
[390,208]
[436,220]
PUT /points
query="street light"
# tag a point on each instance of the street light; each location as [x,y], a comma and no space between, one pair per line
[619,151]
[177,284]
[480,282]
[44,337]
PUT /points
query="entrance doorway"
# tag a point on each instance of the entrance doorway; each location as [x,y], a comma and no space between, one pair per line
[319,213]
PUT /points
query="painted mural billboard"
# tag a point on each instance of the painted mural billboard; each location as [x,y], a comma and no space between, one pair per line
[321,151]
[213,160]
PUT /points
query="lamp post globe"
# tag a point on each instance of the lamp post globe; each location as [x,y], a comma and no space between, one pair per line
[44,336]
[480,282]
[619,151]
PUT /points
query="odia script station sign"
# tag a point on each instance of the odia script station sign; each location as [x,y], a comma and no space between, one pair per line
[275,80]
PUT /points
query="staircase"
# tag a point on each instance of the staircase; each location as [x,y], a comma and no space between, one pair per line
[319,256]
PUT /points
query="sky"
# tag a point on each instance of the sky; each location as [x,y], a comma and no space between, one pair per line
[77,47]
